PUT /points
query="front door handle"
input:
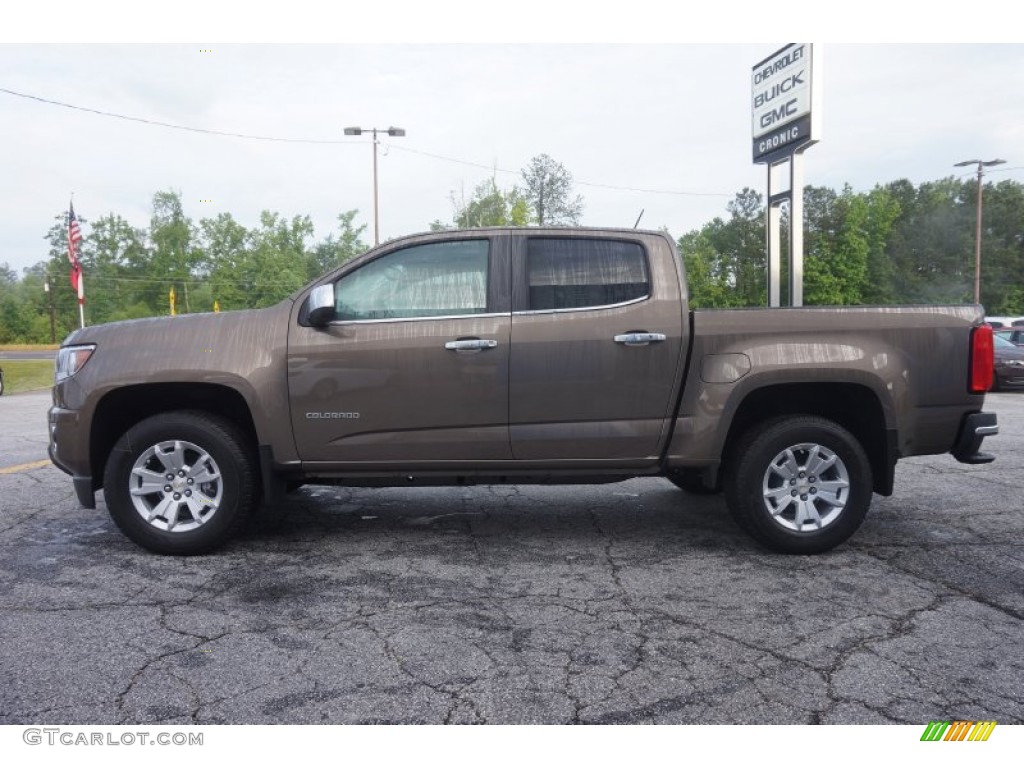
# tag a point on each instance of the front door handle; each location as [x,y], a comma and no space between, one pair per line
[639,338]
[462,345]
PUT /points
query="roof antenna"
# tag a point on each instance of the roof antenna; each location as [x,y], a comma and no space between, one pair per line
[639,217]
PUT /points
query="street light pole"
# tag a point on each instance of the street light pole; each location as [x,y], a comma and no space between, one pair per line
[392,131]
[977,222]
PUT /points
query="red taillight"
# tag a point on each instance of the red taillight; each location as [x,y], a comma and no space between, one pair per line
[982,359]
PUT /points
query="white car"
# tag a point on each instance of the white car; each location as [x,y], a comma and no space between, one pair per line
[1004,322]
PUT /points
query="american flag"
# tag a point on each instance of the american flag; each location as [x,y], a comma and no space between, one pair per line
[74,237]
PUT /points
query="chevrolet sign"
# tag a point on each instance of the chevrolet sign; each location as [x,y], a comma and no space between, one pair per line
[784,101]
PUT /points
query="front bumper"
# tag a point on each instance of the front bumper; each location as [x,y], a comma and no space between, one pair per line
[975,428]
[69,452]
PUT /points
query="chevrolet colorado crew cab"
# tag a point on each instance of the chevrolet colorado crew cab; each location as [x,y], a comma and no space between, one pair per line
[538,355]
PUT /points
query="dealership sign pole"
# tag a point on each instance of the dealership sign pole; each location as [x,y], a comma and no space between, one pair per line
[786,114]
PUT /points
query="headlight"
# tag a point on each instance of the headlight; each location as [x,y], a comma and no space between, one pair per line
[70,361]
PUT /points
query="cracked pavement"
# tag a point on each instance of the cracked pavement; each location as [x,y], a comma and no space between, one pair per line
[625,603]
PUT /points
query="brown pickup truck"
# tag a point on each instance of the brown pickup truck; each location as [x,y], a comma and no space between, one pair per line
[515,356]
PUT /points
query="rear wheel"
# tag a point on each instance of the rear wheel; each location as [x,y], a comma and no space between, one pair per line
[180,483]
[799,484]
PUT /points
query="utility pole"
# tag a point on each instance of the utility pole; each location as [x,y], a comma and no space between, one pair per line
[977,222]
[53,318]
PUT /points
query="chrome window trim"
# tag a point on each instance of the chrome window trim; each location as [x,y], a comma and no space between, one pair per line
[417,319]
[582,309]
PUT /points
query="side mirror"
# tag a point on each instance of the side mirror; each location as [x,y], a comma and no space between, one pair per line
[321,306]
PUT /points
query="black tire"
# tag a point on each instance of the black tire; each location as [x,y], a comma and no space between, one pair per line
[692,481]
[785,522]
[212,454]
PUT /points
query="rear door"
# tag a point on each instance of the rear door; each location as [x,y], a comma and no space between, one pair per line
[597,334]
[414,370]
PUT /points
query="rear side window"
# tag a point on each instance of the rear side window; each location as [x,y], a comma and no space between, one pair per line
[437,279]
[567,273]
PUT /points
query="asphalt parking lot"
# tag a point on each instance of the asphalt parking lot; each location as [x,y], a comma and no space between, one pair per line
[627,603]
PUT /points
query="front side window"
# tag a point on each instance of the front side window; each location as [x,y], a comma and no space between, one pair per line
[430,280]
[566,273]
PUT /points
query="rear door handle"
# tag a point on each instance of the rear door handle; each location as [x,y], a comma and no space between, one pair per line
[462,345]
[639,338]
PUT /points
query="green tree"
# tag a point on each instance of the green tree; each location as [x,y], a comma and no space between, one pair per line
[12,315]
[175,258]
[728,256]
[117,270]
[278,264]
[226,261]
[707,281]
[742,241]
[882,214]
[35,303]
[931,243]
[338,247]
[489,206]
[836,246]
[1002,247]
[547,189]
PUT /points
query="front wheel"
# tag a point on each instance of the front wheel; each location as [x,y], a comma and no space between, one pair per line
[799,484]
[180,483]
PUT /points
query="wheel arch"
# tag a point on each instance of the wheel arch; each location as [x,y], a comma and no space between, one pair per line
[854,406]
[124,407]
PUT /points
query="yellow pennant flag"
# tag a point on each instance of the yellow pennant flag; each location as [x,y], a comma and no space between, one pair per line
[171,297]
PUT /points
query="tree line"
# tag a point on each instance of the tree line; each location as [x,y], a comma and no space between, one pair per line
[895,244]
[220,263]
[130,272]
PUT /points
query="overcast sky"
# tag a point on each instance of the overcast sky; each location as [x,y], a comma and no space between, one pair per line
[663,128]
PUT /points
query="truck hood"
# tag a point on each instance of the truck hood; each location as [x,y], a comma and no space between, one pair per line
[224,347]
[179,326]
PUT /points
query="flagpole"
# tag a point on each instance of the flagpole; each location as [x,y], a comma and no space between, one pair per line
[77,281]
[81,300]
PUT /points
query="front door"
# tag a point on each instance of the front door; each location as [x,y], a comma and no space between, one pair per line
[413,372]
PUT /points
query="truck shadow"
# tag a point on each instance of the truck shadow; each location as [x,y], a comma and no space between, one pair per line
[499,515]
